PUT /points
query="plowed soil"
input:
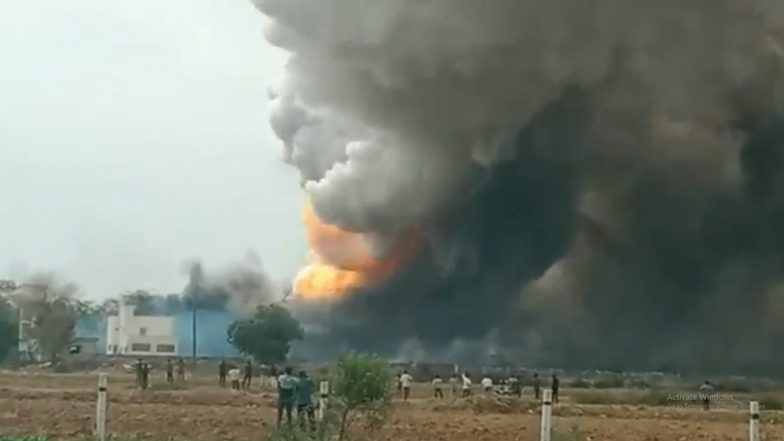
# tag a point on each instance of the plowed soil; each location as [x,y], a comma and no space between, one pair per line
[63,406]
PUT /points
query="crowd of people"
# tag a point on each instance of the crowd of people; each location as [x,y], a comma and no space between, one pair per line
[462,386]
[295,392]
[142,370]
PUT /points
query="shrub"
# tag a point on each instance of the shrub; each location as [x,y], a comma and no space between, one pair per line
[361,385]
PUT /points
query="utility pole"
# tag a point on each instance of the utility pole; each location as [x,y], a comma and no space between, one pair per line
[193,301]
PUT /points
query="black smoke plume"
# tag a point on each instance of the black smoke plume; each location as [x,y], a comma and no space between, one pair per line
[240,288]
[625,167]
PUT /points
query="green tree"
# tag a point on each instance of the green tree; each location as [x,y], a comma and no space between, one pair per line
[142,301]
[8,327]
[267,335]
[361,386]
[53,309]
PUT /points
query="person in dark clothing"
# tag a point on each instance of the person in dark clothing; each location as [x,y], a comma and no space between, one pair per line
[304,398]
[145,375]
[438,385]
[705,391]
[555,385]
[274,375]
[169,371]
[537,386]
[222,371]
[138,369]
[180,370]
[287,384]
[248,375]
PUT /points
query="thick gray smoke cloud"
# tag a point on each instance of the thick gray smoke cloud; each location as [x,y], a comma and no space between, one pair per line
[601,183]
[241,287]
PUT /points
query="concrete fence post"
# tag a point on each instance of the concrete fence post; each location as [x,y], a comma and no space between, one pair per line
[100,409]
[547,409]
[323,396]
[754,421]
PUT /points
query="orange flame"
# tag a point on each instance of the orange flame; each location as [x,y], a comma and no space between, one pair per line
[340,262]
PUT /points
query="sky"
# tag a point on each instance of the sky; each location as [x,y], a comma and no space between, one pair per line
[134,138]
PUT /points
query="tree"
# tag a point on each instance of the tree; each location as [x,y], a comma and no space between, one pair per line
[267,335]
[361,385]
[109,307]
[173,304]
[142,301]
[8,327]
[53,310]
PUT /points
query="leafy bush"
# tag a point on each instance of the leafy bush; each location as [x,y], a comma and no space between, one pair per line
[361,385]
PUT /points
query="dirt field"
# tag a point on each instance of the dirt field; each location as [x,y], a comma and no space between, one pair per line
[63,406]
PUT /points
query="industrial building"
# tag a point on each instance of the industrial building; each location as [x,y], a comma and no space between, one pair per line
[129,334]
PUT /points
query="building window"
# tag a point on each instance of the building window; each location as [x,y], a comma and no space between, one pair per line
[142,331]
[169,349]
[140,347]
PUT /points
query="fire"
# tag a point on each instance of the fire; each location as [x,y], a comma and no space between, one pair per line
[340,262]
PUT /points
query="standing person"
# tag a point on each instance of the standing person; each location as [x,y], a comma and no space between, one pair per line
[304,400]
[222,370]
[705,393]
[234,377]
[145,375]
[537,386]
[453,385]
[399,386]
[438,384]
[286,385]
[169,371]
[138,368]
[274,376]
[246,379]
[555,385]
[466,385]
[405,381]
[181,370]
[487,384]
[515,388]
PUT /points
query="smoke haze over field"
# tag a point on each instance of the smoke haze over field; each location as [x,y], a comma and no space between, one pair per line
[600,184]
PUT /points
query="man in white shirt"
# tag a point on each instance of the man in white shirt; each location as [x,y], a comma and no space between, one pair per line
[406,380]
[234,378]
[466,385]
[287,384]
[487,384]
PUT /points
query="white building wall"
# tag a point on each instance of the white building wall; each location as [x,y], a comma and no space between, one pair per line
[113,335]
[128,334]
